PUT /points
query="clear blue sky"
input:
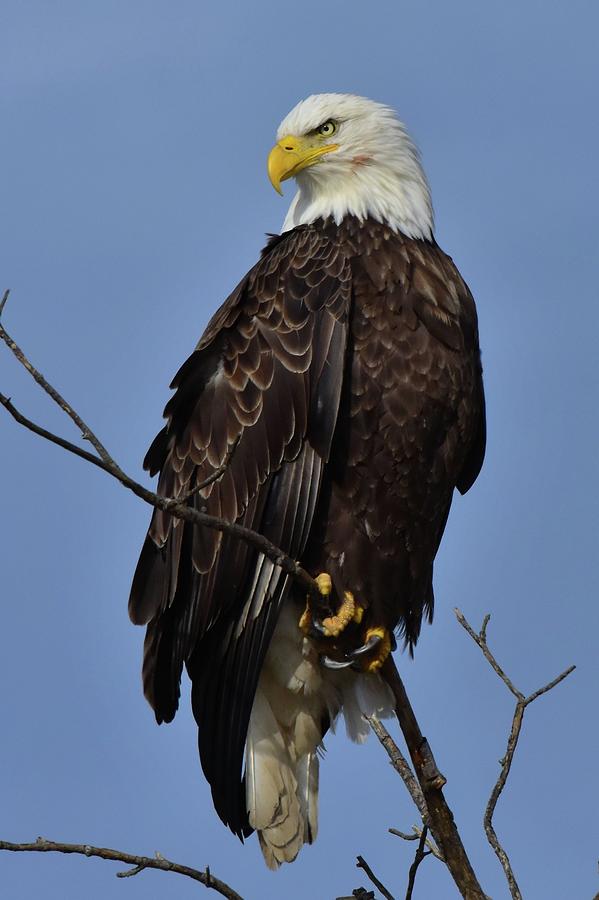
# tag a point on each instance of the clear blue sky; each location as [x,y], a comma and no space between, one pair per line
[134,196]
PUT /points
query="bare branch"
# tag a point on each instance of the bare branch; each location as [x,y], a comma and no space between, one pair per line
[416,834]
[362,864]
[506,762]
[481,640]
[86,432]
[421,853]
[548,687]
[138,862]
[400,764]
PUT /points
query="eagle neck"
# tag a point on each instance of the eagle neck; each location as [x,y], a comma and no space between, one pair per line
[403,204]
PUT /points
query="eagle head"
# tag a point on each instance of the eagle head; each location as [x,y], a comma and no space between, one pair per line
[351,156]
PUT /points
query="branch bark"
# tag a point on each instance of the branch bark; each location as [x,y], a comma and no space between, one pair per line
[139,863]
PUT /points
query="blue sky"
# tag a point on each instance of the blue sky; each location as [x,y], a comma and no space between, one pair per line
[134,197]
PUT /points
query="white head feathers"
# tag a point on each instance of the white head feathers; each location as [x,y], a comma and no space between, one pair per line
[375,171]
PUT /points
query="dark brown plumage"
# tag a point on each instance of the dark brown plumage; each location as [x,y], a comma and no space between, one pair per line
[345,370]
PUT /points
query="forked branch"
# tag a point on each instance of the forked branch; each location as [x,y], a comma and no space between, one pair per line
[522,702]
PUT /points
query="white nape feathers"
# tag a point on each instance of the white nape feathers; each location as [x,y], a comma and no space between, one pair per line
[375,171]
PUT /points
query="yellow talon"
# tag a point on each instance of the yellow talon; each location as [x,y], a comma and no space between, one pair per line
[305,622]
[325,585]
[382,651]
[334,625]
[348,613]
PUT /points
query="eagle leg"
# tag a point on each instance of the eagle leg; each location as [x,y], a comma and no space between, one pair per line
[330,626]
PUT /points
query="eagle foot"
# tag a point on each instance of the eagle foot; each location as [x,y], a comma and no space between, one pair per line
[377,646]
[331,626]
[370,656]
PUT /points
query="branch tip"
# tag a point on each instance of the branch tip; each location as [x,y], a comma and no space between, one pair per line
[362,864]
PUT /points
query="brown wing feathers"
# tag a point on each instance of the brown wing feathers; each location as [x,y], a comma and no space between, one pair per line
[266,374]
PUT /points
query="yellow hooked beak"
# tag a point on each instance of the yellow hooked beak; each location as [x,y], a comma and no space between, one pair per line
[292,154]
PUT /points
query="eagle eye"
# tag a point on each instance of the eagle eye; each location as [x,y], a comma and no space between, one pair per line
[327,128]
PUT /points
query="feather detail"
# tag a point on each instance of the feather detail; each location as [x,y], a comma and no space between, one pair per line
[307,792]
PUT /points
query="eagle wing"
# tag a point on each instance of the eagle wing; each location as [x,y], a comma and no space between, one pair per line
[261,389]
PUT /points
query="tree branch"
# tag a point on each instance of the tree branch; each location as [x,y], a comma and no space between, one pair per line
[362,864]
[416,834]
[421,853]
[138,862]
[506,762]
[400,764]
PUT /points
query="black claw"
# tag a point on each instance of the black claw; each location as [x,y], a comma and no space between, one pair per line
[318,630]
[372,642]
[334,663]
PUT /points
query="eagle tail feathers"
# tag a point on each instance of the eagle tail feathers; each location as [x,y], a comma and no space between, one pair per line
[289,717]
[276,787]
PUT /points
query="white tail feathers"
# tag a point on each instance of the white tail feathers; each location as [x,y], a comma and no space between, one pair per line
[295,695]
[284,732]
[280,797]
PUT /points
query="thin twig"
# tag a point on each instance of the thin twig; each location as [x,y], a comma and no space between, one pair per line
[481,640]
[4,299]
[139,863]
[548,687]
[416,834]
[129,872]
[86,432]
[400,764]
[506,762]
[362,864]
[421,853]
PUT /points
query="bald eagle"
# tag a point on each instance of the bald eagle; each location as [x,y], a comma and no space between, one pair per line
[341,383]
